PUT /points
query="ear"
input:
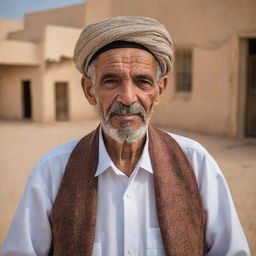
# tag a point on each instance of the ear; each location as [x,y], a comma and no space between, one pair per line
[162,85]
[86,84]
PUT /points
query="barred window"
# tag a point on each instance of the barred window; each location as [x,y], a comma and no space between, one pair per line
[183,68]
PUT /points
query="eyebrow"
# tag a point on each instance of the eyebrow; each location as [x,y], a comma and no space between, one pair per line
[139,76]
[144,76]
[108,75]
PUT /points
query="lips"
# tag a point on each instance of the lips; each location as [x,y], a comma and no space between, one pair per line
[125,111]
[126,116]
[137,114]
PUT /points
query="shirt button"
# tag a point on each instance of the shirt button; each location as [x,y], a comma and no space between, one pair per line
[128,195]
[131,251]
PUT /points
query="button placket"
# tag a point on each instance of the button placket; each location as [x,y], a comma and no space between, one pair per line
[128,195]
[130,222]
[131,252]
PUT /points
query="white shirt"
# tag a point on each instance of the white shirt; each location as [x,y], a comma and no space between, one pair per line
[127,221]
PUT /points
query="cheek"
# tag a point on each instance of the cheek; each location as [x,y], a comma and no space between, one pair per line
[104,102]
[148,99]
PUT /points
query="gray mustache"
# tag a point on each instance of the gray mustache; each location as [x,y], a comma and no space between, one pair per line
[133,109]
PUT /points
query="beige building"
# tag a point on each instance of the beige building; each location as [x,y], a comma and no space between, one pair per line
[212,88]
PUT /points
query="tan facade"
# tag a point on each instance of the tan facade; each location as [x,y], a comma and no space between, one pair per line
[33,61]
[8,26]
[216,34]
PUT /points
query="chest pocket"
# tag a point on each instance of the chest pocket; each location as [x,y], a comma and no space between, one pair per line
[96,249]
[155,245]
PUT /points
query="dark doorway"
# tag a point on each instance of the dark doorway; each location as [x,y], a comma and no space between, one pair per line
[61,101]
[26,96]
[251,90]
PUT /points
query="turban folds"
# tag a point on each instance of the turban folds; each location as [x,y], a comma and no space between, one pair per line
[142,30]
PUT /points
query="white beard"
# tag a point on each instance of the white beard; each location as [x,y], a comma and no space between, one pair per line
[124,134]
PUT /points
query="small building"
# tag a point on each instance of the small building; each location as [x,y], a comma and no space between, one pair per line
[212,88]
[38,80]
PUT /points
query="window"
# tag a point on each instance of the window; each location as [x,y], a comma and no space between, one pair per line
[183,69]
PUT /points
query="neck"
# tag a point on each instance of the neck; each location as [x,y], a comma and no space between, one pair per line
[124,155]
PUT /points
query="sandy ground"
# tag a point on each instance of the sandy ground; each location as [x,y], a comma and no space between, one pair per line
[23,143]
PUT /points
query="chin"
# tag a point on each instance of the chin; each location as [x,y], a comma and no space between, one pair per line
[125,134]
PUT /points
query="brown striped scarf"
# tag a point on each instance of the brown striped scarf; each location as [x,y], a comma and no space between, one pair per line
[180,212]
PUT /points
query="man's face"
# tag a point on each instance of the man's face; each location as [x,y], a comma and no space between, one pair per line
[125,89]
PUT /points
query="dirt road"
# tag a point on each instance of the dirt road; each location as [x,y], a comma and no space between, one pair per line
[23,143]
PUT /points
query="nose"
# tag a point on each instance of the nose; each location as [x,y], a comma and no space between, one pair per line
[127,93]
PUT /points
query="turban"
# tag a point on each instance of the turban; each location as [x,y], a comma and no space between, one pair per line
[141,30]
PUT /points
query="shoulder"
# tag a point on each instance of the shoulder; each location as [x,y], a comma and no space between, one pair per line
[59,153]
[203,164]
[48,172]
[188,145]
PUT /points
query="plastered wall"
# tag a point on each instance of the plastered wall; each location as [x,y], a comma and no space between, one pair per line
[11,106]
[209,106]
[7,25]
[36,21]
[18,53]
[59,42]
[78,107]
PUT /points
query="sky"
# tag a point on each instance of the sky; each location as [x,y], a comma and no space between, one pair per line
[15,9]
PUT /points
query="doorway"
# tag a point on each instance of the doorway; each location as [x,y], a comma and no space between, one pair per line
[26,97]
[250,127]
[61,101]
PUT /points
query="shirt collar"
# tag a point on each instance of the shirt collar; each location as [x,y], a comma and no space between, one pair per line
[104,161]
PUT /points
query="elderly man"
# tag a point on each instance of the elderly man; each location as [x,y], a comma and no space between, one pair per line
[126,188]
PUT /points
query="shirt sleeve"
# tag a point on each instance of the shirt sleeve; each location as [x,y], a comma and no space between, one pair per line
[30,231]
[224,234]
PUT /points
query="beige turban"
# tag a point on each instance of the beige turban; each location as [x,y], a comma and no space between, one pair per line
[142,30]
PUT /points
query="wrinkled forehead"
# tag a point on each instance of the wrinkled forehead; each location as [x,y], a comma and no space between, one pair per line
[126,59]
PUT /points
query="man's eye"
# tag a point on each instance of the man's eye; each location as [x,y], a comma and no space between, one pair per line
[144,83]
[110,81]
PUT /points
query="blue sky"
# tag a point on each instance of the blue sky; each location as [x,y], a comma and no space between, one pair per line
[15,9]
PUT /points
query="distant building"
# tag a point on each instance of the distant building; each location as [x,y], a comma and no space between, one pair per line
[212,88]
